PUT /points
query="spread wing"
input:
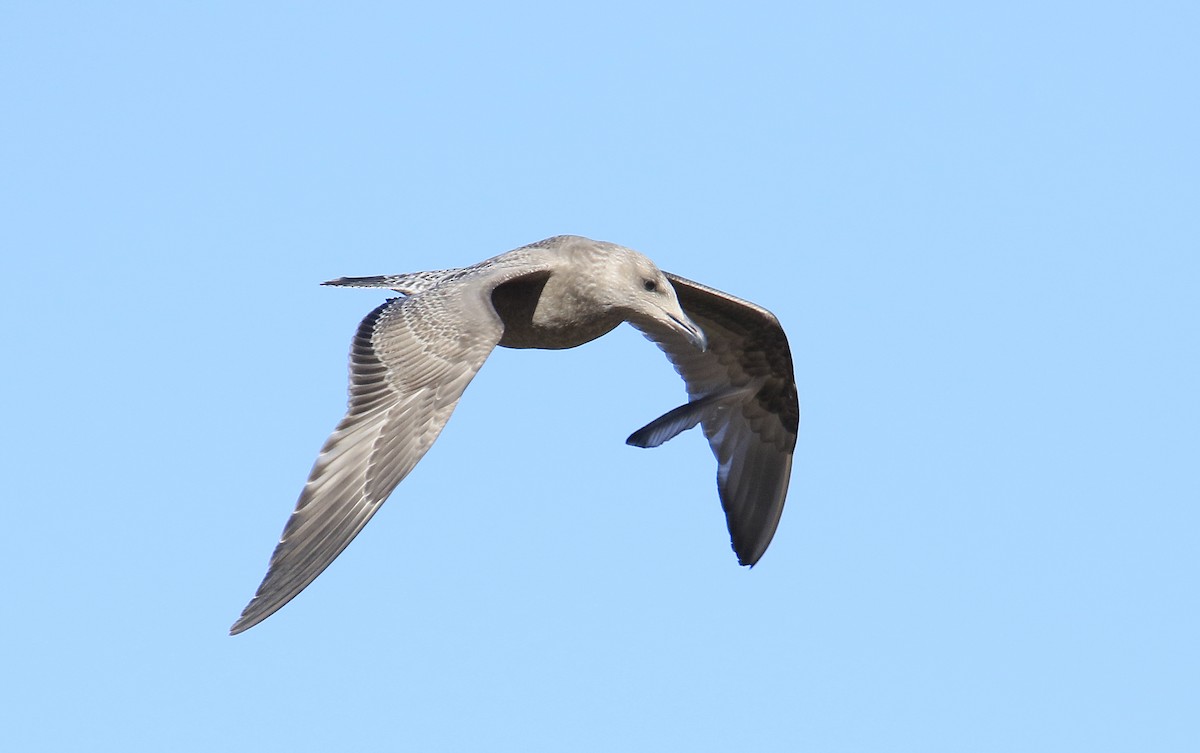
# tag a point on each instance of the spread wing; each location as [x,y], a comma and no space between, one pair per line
[743,391]
[410,361]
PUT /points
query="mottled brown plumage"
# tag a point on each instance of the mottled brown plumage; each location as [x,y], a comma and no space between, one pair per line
[413,356]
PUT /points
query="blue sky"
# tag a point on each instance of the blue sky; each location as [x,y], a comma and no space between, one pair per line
[977,223]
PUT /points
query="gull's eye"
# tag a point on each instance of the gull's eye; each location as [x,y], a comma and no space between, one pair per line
[650,285]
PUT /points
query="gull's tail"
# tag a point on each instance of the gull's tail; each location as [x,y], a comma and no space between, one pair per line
[408,284]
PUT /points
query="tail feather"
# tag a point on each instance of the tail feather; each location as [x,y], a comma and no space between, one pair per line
[408,284]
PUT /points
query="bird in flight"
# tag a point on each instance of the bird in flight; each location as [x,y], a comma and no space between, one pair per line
[413,356]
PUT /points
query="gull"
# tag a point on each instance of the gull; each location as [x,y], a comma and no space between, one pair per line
[413,356]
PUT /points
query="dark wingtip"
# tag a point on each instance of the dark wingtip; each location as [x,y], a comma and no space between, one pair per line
[746,562]
[242,624]
[639,438]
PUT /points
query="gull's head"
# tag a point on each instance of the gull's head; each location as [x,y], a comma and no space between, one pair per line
[644,295]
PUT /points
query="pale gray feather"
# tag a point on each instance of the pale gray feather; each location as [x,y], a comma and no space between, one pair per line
[412,358]
[410,362]
[408,284]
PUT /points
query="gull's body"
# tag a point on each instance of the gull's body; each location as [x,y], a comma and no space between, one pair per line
[413,356]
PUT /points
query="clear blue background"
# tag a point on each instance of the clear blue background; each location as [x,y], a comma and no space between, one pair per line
[977,222]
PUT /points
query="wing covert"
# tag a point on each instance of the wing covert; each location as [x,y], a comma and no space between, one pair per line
[410,361]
